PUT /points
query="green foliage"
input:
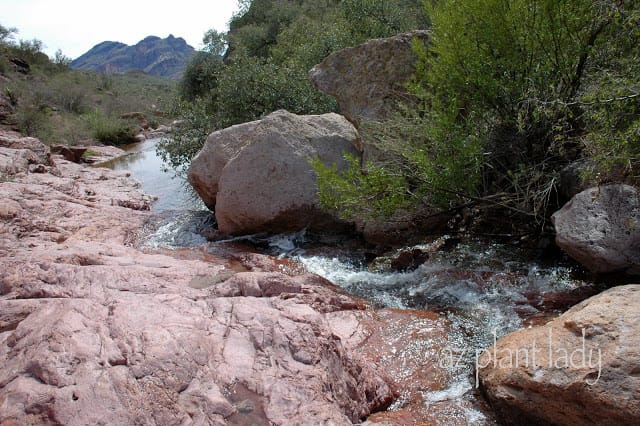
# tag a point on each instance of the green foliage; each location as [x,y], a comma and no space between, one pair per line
[508,93]
[611,99]
[382,18]
[201,76]
[307,41]
[59,105]
[215,42]
[188,137]
[272,45]
[109,130]
[385,192]
[63,106]
[415,165]
[31,120]
[535,78]
[251,88]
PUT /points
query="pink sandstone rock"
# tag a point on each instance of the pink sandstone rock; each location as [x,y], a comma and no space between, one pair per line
[96,331]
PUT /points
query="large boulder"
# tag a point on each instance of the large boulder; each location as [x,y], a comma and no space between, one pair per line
[258,176]
[221,146]
[581,368]
[368,80]
[600,228]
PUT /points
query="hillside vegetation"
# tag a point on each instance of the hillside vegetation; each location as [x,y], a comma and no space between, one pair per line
[44,97]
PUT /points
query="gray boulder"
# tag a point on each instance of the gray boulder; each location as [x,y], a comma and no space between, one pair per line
[258,177]
[368,81]
[600,228]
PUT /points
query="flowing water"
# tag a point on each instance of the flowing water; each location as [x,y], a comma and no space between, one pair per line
[483,289]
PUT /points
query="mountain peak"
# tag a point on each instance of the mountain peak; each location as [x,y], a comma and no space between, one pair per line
[153,55]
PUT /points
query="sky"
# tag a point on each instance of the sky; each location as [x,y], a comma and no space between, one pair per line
[75,26]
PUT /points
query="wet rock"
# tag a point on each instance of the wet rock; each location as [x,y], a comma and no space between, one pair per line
[409,346]
[600,228]
[259,177]
[408,260]
[100,154]
[584,371]
[368,80]
[160,131]
[402,228]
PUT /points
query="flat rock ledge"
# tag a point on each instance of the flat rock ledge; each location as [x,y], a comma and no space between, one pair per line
[94,330]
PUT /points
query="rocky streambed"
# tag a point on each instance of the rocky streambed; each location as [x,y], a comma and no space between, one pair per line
[113,313]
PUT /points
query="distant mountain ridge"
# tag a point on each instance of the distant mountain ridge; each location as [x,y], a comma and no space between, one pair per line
[155,56]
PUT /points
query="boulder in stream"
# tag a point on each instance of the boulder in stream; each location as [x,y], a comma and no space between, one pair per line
[581,368]
[600,228]
[258,177]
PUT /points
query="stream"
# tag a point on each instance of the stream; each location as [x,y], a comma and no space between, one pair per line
[483,289]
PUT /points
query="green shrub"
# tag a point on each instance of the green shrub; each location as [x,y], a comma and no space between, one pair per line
[31,120]
[509,93]
[109,130]
[345,191]
[178,149]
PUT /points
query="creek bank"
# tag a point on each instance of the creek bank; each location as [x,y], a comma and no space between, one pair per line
[474,301]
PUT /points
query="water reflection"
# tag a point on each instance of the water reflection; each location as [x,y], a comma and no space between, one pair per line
[173,193]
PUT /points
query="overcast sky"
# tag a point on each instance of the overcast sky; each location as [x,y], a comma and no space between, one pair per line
[75,26]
